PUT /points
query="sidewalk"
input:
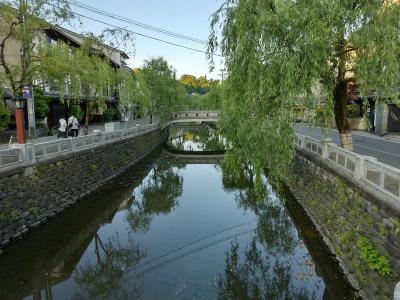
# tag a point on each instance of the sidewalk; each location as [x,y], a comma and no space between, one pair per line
[129,124]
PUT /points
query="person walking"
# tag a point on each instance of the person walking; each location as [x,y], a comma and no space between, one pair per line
[62,128]
[73,125]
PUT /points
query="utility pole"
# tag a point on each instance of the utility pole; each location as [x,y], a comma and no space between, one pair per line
[222,75]
[27,89]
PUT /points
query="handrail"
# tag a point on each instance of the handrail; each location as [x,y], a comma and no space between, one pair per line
[10,158]
[366,169]
[15,157]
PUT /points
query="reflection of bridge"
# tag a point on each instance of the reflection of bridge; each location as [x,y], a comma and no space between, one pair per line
[189,158]
[197,116]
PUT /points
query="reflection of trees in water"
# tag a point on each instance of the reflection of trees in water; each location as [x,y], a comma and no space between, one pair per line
[255,276]
[159,195]
[207,138]
[104,278]
[275,229]
[264,272]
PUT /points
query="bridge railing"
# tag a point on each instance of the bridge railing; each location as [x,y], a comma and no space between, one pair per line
[28,154]
[182,115]
[366,169]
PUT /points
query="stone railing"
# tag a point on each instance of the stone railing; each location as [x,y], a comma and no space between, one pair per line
[28,154]
[365,169]
[10,158]
[191,116]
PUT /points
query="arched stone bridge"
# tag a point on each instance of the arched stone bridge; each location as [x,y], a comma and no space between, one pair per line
[197,116]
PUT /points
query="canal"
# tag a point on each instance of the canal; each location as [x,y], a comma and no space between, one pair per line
[172,229]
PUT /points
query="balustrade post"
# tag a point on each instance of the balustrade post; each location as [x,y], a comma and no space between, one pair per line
[28,156]
[325,150]
[102,137]
[381,178]
[302,143]
[73,143]
[360,168]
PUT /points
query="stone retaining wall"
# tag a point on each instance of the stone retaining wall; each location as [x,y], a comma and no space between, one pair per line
[28,201]
[362,231]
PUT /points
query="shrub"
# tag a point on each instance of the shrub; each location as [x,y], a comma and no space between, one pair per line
[112,114]
[77,112]
[4,118]
[41,104]
[374,260]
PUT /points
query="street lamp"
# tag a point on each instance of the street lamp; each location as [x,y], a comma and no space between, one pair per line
[19,119]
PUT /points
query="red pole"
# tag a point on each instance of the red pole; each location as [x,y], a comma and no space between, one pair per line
[20,122]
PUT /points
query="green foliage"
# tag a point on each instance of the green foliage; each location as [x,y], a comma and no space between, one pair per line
[128,92]
[277,51]
[212,100]
[112,114]
[77,111]
[32,18]
[397,225]
[41,104]
[159,92]
[4,117]
[374,260]
[199,85]
[34,211]
[93,168]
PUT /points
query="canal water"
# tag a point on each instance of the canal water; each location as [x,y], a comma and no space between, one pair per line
[172,229]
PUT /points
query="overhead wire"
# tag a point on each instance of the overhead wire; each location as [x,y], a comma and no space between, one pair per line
[136,33]
[135,23]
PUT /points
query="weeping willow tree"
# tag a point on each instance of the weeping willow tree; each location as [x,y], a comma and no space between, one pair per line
[159,89]
[21,27]
[78,73]
[279,50]
[127,84]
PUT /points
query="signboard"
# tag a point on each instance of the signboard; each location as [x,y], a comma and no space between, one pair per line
[111,127]
[26,92]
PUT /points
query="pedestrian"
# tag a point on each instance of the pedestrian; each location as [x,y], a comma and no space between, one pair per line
[73,125]
[62,128]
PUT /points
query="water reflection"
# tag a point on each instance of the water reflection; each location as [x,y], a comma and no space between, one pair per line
[158,195]
[104,278]
[164,230]
[203,138]
[254,275]
[263,269]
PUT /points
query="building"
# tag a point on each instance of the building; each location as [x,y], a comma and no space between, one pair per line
[117,58]
[52,35]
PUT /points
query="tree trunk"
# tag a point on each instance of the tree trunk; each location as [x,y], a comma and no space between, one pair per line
[340,102]
[151,118]
[87,117]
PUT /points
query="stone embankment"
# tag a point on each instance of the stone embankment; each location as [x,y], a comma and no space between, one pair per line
[28,199]
[359,222]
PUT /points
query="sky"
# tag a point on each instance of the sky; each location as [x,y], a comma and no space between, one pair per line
[187,17]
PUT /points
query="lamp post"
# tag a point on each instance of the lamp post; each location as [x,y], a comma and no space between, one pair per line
[19,119]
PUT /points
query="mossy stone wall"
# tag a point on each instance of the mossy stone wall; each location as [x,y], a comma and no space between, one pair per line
[361,230]
[28,201]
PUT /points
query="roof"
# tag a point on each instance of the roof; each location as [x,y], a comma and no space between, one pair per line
[78,39]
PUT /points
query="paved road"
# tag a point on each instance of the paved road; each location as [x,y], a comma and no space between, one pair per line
[384,150]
